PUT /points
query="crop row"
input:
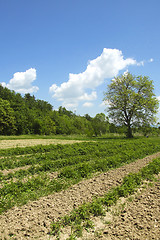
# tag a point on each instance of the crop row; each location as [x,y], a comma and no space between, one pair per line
[79,218]
[81,160]
[92,149]
[68,149]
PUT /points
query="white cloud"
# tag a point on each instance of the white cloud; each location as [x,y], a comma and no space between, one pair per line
[22,81]
[87,104]
[70,105]
[107,65]
[141,63]
[88,97]
[151,60]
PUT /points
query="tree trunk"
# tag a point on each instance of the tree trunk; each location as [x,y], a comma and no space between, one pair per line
[129,132]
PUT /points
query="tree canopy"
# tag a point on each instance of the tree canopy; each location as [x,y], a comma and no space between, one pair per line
[131,101]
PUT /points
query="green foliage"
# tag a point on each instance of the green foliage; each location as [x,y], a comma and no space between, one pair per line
[7,119]
[100,124]
[26,115]
[96,208]
[77,229]
[88,224]
[55,228]
[132,101]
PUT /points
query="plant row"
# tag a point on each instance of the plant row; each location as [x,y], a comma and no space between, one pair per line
[89,158]
[79,167]
[10,152]
[41,154]
[78,160]
[79,218]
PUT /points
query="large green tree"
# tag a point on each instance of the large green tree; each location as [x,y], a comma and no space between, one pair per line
[131,101]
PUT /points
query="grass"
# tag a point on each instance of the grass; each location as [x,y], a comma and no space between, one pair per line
[34,136]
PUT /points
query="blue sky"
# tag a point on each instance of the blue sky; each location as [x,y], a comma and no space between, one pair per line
[67,51]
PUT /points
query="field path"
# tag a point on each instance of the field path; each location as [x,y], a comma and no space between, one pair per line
[33,220]
[32,142]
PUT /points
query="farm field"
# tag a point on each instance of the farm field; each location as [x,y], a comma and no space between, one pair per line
[42,184]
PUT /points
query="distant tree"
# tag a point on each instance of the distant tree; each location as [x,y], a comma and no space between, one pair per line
[131,101]
[7,119]
[112,128]
[30,101]
[43,106]
[88,117]
[21,113]
[100,124]
[64,111]
[49,127]
[37,126]
[146,129]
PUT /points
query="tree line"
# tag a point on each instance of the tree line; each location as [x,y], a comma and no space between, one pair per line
[28,115]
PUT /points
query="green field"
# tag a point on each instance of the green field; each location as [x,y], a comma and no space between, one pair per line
[30,177]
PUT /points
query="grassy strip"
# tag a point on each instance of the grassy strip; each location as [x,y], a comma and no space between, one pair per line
[61,137]
[80,218]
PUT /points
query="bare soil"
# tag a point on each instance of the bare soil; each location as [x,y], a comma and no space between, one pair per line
[135,218]
[33,220]
[140,219]
[32,142]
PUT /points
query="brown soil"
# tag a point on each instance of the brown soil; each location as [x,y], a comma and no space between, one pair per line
[135,218]
[32,142]
[140,219]
[33,220]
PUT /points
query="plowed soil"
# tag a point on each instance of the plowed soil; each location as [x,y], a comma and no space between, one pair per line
[139,219]
[33,220]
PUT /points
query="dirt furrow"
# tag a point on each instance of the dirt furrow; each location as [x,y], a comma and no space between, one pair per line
[33,220]
[135,219]
[140,219]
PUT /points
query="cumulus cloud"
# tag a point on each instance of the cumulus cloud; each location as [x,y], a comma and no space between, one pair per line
[107,65]
[22,82]
[87,104]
